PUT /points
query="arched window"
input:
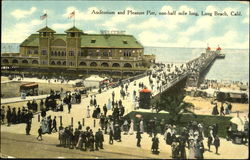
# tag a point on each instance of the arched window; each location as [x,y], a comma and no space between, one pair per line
[34,62]
[82,64]
[59,53]
[127,65]
[58,63]
[55,53]
[64,63]
[93,64]
[15,61]
[25,61]
[104,64]
[5,61]
[52,53]
[116,65]
[53,63]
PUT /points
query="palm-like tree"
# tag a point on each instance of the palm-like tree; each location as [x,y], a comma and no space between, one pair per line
[175,105]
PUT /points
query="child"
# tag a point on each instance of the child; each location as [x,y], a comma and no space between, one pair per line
[40,134]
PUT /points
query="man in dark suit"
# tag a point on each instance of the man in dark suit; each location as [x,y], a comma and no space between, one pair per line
[138,136]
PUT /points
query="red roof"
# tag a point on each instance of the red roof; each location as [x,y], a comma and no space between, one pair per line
[145,90]
[208,48]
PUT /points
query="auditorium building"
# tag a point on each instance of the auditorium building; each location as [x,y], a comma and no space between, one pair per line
[76,52]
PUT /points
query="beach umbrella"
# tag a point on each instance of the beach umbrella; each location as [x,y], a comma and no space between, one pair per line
[138,115]
[239,122]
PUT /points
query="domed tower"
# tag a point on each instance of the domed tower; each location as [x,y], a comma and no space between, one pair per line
[73,40]
[208,49]
[218,49]
[46,35]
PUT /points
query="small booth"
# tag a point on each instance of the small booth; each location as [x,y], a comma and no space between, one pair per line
[145,98]
[29,89]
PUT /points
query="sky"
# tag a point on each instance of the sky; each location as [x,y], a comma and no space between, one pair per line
[22,18]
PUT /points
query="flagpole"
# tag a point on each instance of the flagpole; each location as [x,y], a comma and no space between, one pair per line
[74,18]
[46,18]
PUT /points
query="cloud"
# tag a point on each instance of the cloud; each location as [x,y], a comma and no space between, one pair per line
[148,24]
[18,13]
[89,32]
[85,16]
[229,40]
[59,26]
[149,38]
[201,24]
[20,31]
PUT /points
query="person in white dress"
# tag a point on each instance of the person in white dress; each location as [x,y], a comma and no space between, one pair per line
[109,104]
[131,129]
[191,149]
[141,126]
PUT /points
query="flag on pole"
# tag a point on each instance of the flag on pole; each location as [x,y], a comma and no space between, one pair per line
[43,16]
[72,14]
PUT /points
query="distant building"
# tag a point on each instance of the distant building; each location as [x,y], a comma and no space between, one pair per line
[79,53]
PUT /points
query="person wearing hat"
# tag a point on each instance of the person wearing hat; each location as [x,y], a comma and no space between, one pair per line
[216,143]
[199,149]
[8,116]
[155,144]
[175,148]
[138,137]
[210,138]
[2,114]
[182,145]
[191,148]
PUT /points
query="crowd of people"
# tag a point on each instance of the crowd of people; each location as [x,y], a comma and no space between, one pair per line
[113,122]
[15,117]
[225,108]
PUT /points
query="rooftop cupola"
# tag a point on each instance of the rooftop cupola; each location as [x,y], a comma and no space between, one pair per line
[73,32]
[46,32]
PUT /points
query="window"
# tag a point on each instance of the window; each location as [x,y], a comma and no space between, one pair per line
[35,51]
[93,41]
[29,51]
[44,34]
[105,54]
[72,34]
[71,63]
[71,53]
[44,52]
[125,42]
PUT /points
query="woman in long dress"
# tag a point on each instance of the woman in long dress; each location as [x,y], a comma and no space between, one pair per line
[191,149]
[141,126]
[109,104]
[131,129]
[88,112]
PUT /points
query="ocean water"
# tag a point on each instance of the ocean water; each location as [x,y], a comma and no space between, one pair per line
[235,66]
